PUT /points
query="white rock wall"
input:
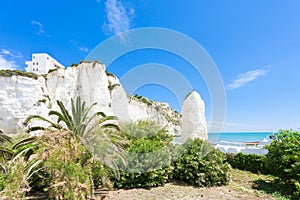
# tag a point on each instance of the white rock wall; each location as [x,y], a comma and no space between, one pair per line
[193,117]
[19,98]
[23,96]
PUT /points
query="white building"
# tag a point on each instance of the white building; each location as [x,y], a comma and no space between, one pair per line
[41,64]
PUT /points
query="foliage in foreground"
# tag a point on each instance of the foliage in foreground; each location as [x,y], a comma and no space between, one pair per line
[283,158]
[198,163]
[60,161]
[284,155]
[148,156]
[67,166]
[249,162]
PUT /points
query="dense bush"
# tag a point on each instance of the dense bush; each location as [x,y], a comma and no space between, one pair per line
[249,162]
[283,158]
[148,156]
[68,166]
[200,164]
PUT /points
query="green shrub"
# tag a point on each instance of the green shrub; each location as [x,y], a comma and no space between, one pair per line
[15,181]
[198,163]
[148,156]
[99,174]
[146,129]
[60,165]
[67,164]
[52,70]
[297,191]
[283,158]
[249,162]
[143,99]
[73,65]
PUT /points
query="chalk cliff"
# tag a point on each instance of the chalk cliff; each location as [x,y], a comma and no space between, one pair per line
[21,96]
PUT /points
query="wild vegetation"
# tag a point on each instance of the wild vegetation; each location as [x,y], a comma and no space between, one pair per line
[81,153]
[281,161]
[148,156]
[10,73]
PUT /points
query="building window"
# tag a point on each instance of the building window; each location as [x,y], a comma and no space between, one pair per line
[32,69]
[37,63]
[47,58]
[33,57]
[37,69]
[33,63]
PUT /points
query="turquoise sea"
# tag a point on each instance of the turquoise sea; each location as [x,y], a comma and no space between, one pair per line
[238,137]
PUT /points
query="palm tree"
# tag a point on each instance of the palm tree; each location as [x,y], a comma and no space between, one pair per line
[100,136]
[78,122]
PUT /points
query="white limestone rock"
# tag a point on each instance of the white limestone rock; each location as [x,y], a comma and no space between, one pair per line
[160,113]
[193,117]
[20,97]
[23,96]
[119,99]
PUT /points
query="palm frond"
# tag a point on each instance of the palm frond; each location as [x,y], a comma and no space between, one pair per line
[6,153]
[24,142]
[66,116]
[111,126]
[4,138]
[31,165]
[26,153]
[37,117]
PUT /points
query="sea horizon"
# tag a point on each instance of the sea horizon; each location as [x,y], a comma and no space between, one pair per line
[238,136]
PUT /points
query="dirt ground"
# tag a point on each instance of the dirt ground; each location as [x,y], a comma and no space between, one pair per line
[240,187]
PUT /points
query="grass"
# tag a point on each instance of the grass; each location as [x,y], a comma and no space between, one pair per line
[10,73]
[244,185]
[274,187]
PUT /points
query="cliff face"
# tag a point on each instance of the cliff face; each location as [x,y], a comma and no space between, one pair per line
[21,96]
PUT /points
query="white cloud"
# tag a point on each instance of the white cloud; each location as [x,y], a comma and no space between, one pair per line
[40,26]
[6,52]
[8,59]
[243,79]
[84,49]
[6,64]
[118,17]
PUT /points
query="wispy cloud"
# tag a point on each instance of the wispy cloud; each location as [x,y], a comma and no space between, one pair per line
[7,59]
[243,79]
[83,49]
[118,18]
[40,26]
[79,46]
[6,52]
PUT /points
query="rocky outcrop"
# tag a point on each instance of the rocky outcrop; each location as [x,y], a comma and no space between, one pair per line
[193,117]
[23,96]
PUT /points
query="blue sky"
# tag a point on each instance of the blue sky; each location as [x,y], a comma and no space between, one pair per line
[254,43]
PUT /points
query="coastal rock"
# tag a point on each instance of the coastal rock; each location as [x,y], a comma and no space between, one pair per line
[193,117]
[22,96]
[119,99]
